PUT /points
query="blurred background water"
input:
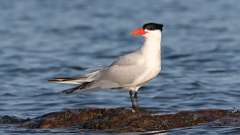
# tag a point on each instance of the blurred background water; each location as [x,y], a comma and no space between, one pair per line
[41,39]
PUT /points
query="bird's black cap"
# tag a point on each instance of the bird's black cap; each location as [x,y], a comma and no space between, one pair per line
[153,26]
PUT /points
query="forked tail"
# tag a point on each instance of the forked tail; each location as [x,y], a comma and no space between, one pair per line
[77,80]
[84,82]
[69,80]
[77,89]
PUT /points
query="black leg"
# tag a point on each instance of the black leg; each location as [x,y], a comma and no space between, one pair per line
[133,97]
[130,94]
[136,100]
[136,95]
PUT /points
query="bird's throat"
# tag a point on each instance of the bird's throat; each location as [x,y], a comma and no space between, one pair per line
[151,47]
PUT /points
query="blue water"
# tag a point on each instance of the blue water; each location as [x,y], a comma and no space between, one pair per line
[41,39]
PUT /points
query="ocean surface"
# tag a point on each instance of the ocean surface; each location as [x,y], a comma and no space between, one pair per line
[41,39]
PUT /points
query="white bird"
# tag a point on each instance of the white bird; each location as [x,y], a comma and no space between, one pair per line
[130,71]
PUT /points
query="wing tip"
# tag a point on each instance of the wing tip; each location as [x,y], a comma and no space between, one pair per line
[55,80]
[60,80]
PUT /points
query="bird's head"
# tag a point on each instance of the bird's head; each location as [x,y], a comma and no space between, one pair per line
[149,30]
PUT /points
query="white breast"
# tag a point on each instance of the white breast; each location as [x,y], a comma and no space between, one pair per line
[151,51]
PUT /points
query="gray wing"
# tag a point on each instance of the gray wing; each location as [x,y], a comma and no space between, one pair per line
[124,71]
[129,59]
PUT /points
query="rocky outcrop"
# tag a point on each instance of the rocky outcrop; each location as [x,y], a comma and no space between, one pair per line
[125,119]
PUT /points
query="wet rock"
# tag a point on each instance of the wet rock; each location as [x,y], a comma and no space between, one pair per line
[123,119]
[230,120]
[126,120]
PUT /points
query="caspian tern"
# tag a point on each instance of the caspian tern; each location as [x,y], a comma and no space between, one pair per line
[130,71]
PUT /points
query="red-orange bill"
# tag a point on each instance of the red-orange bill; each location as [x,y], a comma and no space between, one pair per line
[138,32]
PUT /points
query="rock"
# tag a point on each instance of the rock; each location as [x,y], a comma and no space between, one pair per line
[126,120]
[123,119]
[230,120]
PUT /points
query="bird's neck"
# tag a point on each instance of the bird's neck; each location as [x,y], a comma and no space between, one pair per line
[152,47]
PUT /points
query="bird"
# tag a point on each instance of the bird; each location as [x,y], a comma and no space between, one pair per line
[130,71]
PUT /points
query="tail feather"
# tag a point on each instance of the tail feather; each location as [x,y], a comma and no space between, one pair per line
[76,80]
[77,89]
[69,80]
[84,82]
